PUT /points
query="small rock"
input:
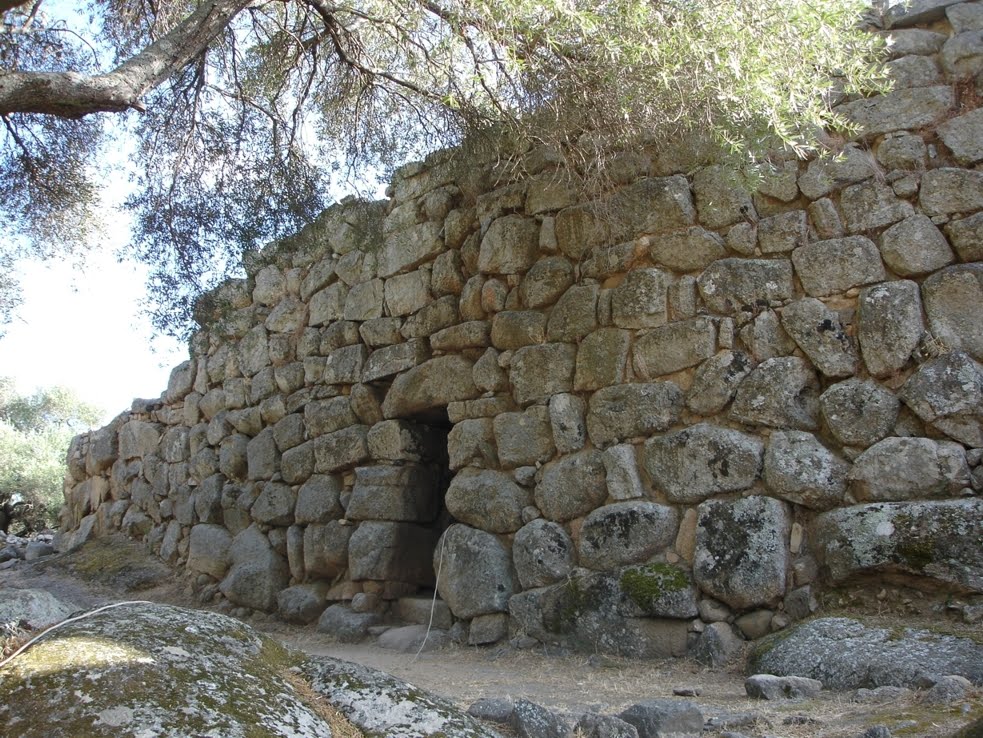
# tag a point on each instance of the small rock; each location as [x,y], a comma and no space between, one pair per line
[771,687]
[592,725]
[530,720]
[879,695]
[413,639]
[687,691]
[663,718]
[494,710]
[948,689]
[877,731]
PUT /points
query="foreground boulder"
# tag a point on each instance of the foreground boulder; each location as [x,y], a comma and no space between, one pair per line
[846,654]
[147,669]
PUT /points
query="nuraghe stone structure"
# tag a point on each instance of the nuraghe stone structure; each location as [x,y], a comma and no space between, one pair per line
[606,423]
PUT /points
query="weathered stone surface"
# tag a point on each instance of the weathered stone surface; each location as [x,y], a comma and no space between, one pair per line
[601,359]
[258,572]
[771,687]
[408,248]
[592,725]
[509,246]
[903,109]
[962,54]
[208,551]
[836,265]
[799,469]
[859,412]
[341,449]
[365,300]
[220,673]
[730,285]
[586,613]
[391,360]
[742,550]
[828,173]
[472,442]
[624,482]
[629,410]
[626,533]
[689,250]
[546,281]
[572,486]
[407,493]
[846,654]
[966,235]
[933,540]
[433,384]
[954,305]
[36,607]
[718,645]
[400,441]
[488,500]
[326,549]
[673,347]
[537,372]
[513,329]
[821,336]
[327,416]
[524,439]
[915,247]
[476,574]
[716,381]
[346,626]
[948,190]
[543,554]
[781,393]
[574,315]
[890,325]
[871,205]
[391,551]
[302,603]
[909,468]
[640,300]
[567,420]
[948,393]
[702,460]
[721,199]
[665,719]
[906,151]
[328,305]
[262,456]
[138,439]
[580,228]
[318,500]
[385,706]
[784,232]
[439,314]
[275,505]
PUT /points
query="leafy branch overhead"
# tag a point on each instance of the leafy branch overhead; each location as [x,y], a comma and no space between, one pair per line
[243,110]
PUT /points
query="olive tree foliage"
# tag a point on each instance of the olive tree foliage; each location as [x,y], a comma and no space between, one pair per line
[35,433]
[246,111]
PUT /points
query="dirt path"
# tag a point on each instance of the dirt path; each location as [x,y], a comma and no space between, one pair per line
[568,683]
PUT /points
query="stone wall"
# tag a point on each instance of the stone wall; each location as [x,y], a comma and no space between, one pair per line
[607,422]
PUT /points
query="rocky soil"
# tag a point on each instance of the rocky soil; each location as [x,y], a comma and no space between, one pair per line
[567,684]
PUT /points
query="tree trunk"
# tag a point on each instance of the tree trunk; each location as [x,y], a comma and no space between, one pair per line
[73,95]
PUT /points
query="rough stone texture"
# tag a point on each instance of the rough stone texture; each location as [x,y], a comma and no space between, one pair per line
[572,486]
[509,246]
[931,540]
[947,190]
[406,493]
[966,236]
[631,410]
[686,251]
[718,645]
[433,384]
[476,574]
[903,109]
[836,265]
[568,422]
[524,439]
[846,654]
[890,318]
[543,554]
[36,607]
[395,551]
[546,281]
[537,372]
[326,548]
[701,461]
[948,393]
[257,574]
[626,533]
[640,300]
[742,550]
[859,412]
[730,285]
[771,687]
[915,247]
[908,469]
[623,479]
[799,469]
[665,719]
[781,393]
[871,205]
[302,603]
[821,336]
[716,381]
[486,499]
[602,358]
[529,720]
[673,347]
[954,305]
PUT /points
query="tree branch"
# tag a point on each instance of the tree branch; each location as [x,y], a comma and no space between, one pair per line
[73,95]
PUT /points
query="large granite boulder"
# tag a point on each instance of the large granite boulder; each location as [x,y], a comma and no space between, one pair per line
[476,573]
[846,654]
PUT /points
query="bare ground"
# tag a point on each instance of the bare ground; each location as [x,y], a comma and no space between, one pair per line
[567,683]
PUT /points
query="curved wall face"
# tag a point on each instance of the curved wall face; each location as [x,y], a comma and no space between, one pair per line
[602,418]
